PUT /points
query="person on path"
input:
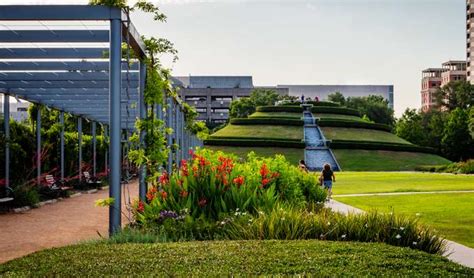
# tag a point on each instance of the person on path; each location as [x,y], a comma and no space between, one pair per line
[302,166]
[327,178]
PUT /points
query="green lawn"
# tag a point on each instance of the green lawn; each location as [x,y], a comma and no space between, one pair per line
[361,134]
[377,182]
[276,115]
[292,155]
[451,214]
[373,160]
[337,116]
[261,131]
[230,258]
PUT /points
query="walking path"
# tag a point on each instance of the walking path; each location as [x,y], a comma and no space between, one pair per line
[403,193]
[455,252]
[63,223]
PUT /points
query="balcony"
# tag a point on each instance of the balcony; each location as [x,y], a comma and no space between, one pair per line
[220,103]
[197,103]
[219,116]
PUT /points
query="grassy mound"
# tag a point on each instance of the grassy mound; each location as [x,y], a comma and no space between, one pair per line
[276,115]
[337,116]
[361,134]
[224,258]
[293,155]
[261,131]
[376,160]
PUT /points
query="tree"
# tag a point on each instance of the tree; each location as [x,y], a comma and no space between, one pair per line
[457,141]
[409,127]
[375,107]
[456,94]
[243,107]
[471,121]
[337,97]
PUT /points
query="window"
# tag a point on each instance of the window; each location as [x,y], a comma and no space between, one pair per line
[22,109]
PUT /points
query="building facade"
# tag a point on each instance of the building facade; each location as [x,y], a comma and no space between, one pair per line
[434,78]
[323,91]
[212,95]
[18,109]
[469,36]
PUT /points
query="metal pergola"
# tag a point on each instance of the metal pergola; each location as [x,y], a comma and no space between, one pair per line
[80,70]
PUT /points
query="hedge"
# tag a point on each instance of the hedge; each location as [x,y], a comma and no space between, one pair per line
[315,103]
[266,121]
[254,138]
[285,108]
[367,145]
[353,124]
[255,142]
[335,110]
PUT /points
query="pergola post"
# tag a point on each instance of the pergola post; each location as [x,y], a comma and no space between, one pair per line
[6,124]
[79,143]
[169,123]
[94,149]
[38,145]
[106,155]
[115,125]
[176,133]
[142,106]
[61,142]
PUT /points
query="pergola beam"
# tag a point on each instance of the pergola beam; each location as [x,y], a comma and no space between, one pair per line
[60,84]
[53,53]
[61,66]
[61,76]
[54,36]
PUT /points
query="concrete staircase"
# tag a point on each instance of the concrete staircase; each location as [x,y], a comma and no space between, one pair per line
[317,153]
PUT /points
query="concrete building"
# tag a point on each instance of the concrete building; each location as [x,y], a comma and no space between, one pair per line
[430,83]
[18,110]
[469,38]
[453,71]
[434,78]
[322,91]
[212,95]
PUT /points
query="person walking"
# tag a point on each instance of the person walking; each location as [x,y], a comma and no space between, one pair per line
[327,178]
[302,166]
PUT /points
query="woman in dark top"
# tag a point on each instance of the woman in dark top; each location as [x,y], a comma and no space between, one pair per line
[302,166]
[327,178]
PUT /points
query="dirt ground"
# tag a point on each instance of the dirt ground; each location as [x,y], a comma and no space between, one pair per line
[63,223]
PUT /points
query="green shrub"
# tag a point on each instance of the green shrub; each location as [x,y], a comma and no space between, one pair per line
[291,109]
[25,196]
[352,124]
[464,167]
[267,121]
[369,145]
[255,138]
[254,142]
[314,103]
[212,184]
[335,110]
[296,224]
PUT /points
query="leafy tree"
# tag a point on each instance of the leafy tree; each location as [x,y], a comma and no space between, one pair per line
[457,141]
[471,121]
[243,107]
[337,97]
[456,94]
[375,107]
[409,127]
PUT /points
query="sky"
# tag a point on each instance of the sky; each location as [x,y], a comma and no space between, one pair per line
[381,42]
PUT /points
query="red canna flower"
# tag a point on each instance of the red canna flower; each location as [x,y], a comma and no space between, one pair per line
[150,195]
[140,207]
[163,179]
[264,170]
[164,195]
[184,193]
[195,171]
[275,175]
[239,181]
[265,182]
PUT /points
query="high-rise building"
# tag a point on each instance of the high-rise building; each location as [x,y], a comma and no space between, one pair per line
[430,83]
[469,35]
[453,71]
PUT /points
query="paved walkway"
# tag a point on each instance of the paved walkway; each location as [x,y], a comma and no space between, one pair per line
[455,252]
[63,223]
[403,193]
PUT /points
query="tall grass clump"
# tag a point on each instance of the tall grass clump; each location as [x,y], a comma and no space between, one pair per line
[296,224]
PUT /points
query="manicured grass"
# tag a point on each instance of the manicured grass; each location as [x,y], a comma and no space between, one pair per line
[361,134]
[292,155]
[451,214]
[229,258]
[374,160]
[337,116]
[261,131]
[379,182]
[276,115]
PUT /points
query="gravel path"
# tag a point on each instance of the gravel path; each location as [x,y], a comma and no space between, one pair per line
[66,222]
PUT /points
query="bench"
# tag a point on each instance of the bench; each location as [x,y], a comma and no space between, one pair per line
[55,185]
[91,180]
[6,195]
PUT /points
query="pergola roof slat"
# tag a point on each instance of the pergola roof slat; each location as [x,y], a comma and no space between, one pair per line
[63,76]
[60,65]
[59,12]
[54,36]
[56,53]
[61,84]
